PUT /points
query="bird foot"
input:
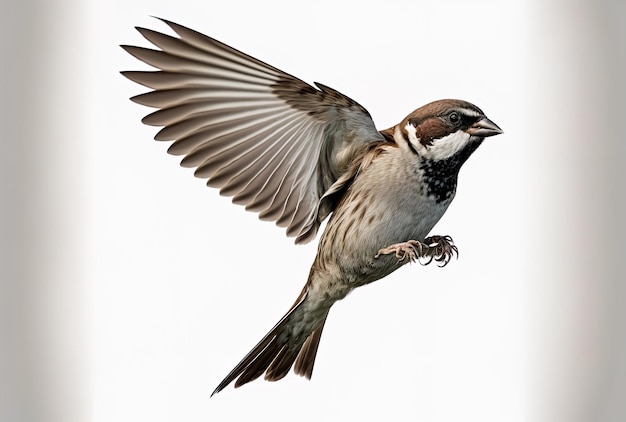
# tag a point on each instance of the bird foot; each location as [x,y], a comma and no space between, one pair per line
[408,251]
[439,248]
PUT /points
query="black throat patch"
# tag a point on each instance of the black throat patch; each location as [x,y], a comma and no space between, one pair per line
[440,177]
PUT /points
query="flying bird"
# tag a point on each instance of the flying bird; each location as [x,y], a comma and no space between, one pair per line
[298,154]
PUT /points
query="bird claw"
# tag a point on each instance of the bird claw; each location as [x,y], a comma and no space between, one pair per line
[439,248]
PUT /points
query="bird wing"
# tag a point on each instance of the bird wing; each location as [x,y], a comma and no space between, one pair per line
[271,141]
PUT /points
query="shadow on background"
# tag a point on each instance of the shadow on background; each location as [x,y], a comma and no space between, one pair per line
[576,257]
[44,354]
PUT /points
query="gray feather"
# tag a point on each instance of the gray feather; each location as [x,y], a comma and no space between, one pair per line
[271,141]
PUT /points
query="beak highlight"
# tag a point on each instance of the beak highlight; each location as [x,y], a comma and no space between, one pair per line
[484,127]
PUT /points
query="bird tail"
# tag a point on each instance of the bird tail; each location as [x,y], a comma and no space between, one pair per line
[294,339]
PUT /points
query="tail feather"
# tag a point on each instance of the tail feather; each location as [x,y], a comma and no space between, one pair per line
[282,363]
[306,357]
[276,353]
[253,370]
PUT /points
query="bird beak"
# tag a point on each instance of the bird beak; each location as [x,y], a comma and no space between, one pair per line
[484,127]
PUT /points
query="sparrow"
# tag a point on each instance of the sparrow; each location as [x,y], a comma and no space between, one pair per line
[298,154]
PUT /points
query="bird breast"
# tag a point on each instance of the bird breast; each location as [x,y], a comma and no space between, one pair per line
[387,203]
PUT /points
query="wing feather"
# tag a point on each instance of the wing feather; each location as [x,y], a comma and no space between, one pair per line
[269,140]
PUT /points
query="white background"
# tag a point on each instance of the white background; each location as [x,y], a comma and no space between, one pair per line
[129,289]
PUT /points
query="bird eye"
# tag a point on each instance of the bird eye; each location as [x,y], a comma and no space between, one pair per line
[454,117]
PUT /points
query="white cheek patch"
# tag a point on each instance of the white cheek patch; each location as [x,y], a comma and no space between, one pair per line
[441,148]
[449,145]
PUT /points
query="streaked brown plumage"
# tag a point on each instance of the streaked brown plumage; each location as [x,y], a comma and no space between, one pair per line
[297,154]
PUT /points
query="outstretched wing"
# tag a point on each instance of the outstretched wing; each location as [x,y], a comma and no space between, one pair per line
[271,141]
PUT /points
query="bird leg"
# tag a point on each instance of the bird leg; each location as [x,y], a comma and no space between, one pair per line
[439,248]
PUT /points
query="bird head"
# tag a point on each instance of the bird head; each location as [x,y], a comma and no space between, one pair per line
[446,128]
